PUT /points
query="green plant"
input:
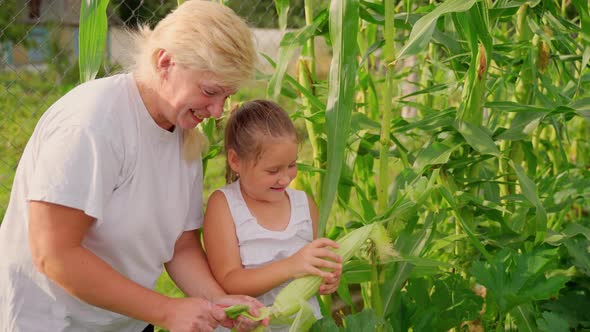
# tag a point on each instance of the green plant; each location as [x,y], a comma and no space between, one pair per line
[484,188]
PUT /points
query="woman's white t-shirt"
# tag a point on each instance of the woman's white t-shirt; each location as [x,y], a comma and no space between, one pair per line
[98,150]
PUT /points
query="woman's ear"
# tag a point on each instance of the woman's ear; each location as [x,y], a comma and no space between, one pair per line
[164,63]
[233,160]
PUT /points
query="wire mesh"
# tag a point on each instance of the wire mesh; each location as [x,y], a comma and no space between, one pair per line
[38,58]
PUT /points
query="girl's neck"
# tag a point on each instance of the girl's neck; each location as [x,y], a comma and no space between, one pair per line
[274,216]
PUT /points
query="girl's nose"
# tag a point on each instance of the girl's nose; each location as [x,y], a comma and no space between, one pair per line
[284,180]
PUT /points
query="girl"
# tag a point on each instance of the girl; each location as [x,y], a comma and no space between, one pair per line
[259,233]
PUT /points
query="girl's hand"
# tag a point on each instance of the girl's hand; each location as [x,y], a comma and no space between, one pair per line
[241,324]
[330,285]
[316,259]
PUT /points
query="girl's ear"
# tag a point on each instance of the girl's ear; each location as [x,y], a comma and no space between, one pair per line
[233,160]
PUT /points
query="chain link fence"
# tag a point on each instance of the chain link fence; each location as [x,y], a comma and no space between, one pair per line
[39,49]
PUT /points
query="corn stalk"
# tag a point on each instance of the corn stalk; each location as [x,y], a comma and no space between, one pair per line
[388,108]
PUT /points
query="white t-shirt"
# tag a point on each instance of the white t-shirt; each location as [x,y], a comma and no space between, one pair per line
[97,149]
[260,246]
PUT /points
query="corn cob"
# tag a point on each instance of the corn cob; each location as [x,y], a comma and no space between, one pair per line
[289,298]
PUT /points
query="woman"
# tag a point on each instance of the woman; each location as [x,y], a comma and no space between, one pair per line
[108,189]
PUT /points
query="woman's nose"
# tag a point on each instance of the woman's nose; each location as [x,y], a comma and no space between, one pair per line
[216,107]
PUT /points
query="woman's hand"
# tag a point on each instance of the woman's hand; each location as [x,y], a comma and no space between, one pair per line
[241,324]
[316,259]
[192,315]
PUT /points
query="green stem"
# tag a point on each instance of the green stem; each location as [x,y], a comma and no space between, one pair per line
[385,140]
[306,76]
[309,50]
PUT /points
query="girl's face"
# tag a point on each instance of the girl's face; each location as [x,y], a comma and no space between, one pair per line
[267,178]
[187,96]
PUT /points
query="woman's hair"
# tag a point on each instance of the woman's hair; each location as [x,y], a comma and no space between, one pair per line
[201,35]
[250,125]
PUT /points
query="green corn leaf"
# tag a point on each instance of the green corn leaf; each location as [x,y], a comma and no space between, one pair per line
[522,126]
[289,43]
[92,37]
[343,33]
[582,107]
[529,190]
[282,7]
[436,153]
[236,310]
[315,102]
[396,274]
[304,318]
[477,138]
[424,27]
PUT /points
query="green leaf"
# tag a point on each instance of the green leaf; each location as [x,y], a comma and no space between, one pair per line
[361,121]
[282,7]
[522,126]
[578,250]
[524,317]
[341,98]
[477,138]
[529,190]
[304,318]
[551,322]
[424,27]
[315,102]
[364,321]
[396,274]
[436,153]
[356,271]
[92,37]
[325,324]
[582,107]
[289,43]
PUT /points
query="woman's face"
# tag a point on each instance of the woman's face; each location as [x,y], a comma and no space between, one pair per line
[187,96]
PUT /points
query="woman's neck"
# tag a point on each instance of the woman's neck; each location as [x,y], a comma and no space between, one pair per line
[151,99]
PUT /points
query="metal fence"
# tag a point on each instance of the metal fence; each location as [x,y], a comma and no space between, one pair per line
[39,48]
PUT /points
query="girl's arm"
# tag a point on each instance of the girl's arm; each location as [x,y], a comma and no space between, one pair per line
[223,253]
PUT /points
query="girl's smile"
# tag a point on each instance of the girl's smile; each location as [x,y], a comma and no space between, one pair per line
[266,178]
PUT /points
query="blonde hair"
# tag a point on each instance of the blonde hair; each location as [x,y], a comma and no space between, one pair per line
[203,36]
[250,125]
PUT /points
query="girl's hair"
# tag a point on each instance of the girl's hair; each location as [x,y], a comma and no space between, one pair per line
[250,125]
[201,35]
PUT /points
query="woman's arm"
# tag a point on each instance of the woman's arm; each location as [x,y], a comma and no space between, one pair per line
[189,269]
[190,272]
[55,238]
[223,255]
